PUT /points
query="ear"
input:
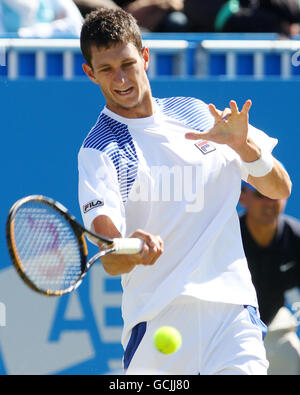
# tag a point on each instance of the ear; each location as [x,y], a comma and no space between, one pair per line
[145,55]
[89,72]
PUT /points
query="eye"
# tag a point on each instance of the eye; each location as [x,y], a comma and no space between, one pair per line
[128,64]
[106,69]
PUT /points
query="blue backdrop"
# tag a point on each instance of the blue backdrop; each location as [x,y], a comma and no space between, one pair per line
[44,123]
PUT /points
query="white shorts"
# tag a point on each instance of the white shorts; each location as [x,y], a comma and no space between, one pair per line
[217,338]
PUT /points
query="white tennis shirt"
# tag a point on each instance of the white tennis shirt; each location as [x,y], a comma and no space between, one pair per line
[144,174]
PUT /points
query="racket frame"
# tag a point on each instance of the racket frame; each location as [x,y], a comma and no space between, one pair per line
[78,230]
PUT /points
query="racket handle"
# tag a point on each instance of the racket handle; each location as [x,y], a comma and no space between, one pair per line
[128,245]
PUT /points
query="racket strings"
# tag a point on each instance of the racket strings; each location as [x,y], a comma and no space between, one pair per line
[46,247]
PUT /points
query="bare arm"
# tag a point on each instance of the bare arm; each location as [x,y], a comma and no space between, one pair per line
[120,264]
[233,131]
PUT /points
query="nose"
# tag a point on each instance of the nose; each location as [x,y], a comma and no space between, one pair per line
[119,76]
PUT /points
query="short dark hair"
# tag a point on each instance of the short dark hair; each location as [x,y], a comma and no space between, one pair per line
[106,27]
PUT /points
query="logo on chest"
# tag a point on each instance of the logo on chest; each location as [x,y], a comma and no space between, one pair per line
[93,204]
[205,147]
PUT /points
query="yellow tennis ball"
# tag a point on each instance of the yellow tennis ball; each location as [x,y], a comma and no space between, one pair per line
[167,339]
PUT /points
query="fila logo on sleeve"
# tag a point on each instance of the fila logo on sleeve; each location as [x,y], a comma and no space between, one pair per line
[93,204]
[205,147]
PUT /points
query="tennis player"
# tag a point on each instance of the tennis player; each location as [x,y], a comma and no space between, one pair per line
[169,171]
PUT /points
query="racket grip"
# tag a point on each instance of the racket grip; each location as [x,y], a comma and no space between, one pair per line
[128,245]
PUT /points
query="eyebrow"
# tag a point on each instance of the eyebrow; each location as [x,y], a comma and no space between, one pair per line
[100,66]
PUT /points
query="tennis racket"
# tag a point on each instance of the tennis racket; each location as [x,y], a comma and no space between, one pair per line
[48,248]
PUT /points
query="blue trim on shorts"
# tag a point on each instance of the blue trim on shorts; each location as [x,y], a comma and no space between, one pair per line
[256,320]
[136,337]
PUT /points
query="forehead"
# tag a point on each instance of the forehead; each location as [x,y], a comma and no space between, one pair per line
[260,198]
[113,53]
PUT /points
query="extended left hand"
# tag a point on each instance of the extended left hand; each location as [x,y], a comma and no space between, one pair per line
[230,129]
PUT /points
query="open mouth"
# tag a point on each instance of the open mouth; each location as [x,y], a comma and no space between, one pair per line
[124,92]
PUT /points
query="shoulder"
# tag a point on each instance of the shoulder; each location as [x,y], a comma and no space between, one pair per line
[105,132]
[189,110]
[292,223]
[172,103]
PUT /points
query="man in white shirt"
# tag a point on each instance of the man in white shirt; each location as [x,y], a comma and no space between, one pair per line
[169,172]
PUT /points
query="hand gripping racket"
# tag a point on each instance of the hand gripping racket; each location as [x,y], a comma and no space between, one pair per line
[48,248]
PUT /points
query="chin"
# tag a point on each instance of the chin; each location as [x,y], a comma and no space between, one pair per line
[129,106]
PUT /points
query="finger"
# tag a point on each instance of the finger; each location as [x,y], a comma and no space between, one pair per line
[147,243]
[226,114]
[146,237]
[153,254]
[161,243]
[152,248]
[153,257]
[214,112]
[157,249]
[246,107]
[196,135]
[151,242]
[234,108]
[160,247]
[157,246]
[192,136]
[144,253]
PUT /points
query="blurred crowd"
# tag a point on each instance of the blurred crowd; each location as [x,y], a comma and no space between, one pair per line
[48,18]
[40,18]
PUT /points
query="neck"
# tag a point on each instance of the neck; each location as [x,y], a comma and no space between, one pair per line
[263,234]
[141,111]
